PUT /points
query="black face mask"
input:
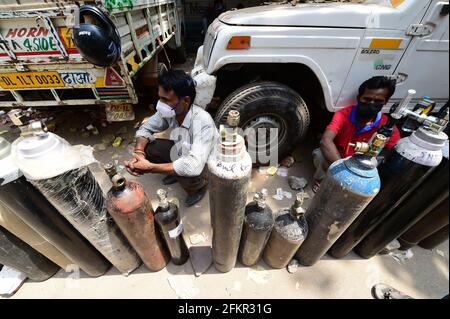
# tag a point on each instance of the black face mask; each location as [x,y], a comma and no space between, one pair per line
[368,110]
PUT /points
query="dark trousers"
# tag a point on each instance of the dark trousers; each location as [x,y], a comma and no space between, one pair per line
[158,152]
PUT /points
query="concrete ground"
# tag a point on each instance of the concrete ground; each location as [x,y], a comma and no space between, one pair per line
[425,275]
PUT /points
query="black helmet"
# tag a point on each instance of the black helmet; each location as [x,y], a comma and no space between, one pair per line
[98,44]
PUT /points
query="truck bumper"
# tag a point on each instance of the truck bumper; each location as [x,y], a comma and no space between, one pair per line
[206,84]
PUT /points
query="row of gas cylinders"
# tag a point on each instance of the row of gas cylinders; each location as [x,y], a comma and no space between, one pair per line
[360,206]
[58,208]
[53,213]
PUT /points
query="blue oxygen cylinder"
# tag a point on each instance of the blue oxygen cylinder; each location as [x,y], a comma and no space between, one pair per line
[349,186]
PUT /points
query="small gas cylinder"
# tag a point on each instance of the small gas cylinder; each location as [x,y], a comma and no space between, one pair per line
[347,189]
[288,234]
[258,223]
[171,228]
[131,209]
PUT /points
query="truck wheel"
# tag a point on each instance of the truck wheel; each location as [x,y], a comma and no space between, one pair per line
[268,105]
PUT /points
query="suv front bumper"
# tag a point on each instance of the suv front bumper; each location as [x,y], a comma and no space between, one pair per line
[205,83]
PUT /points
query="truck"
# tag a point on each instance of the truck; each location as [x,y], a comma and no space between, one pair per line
[40,64]
[278,63]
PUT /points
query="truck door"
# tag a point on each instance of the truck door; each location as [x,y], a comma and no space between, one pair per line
[424,66]
[383,45]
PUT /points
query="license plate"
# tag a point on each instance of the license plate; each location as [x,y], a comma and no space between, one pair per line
[119,112]
[27,80]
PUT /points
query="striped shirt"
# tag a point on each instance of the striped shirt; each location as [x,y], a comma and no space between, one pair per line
[194,140]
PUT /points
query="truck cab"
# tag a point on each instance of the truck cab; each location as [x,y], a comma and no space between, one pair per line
[275,63]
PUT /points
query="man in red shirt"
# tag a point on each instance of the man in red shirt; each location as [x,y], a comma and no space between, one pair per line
[355,123]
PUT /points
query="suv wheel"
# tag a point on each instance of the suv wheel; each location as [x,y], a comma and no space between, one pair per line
[268,105]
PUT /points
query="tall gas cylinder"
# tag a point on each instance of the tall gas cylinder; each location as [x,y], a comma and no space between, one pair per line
[408,165]
[258,224]
[419,203]
[288,234]
[132,210]
[349,186]
[426,226]
[230,171]
[435,239]
[18,228]
[60,172]
[30,216]
[18,255]
[170,227]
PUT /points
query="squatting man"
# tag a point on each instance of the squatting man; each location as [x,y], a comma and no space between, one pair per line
[193,136]
[355,123]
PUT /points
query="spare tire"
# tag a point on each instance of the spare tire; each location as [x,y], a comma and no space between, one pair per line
[268,105]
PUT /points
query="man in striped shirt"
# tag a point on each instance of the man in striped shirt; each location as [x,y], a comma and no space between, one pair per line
[193,136]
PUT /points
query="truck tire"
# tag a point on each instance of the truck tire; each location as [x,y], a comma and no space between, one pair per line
[269,104]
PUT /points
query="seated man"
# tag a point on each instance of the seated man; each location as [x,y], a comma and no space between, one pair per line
[194,135]
[355,123]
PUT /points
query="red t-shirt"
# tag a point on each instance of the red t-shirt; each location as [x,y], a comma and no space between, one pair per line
[346,133]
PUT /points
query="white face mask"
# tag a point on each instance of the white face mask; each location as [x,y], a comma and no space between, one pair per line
[166,111]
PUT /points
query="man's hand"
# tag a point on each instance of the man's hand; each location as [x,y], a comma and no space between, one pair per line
[138,165]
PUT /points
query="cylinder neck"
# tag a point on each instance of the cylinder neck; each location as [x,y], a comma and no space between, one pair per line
[260,198]
[232,146]
[110,169]
[297,210]
[118,181]
[162,197]
[37,128]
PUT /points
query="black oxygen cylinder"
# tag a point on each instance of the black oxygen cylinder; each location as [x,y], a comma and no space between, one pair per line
[288,233]
[419,203]
[408,165]
[258,224]
[26,202]
[435,239]
[171,228]
[20,256]
[428,225]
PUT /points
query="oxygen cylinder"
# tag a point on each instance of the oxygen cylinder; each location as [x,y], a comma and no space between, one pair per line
[288,234]
[349,186]
[419,203]
[28,213]
[229,176]
[427,226]
[18,228]
[258,224]
[18,255]
[435,239]
[60,172]
[408,165]
[132,210]
[171,228]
